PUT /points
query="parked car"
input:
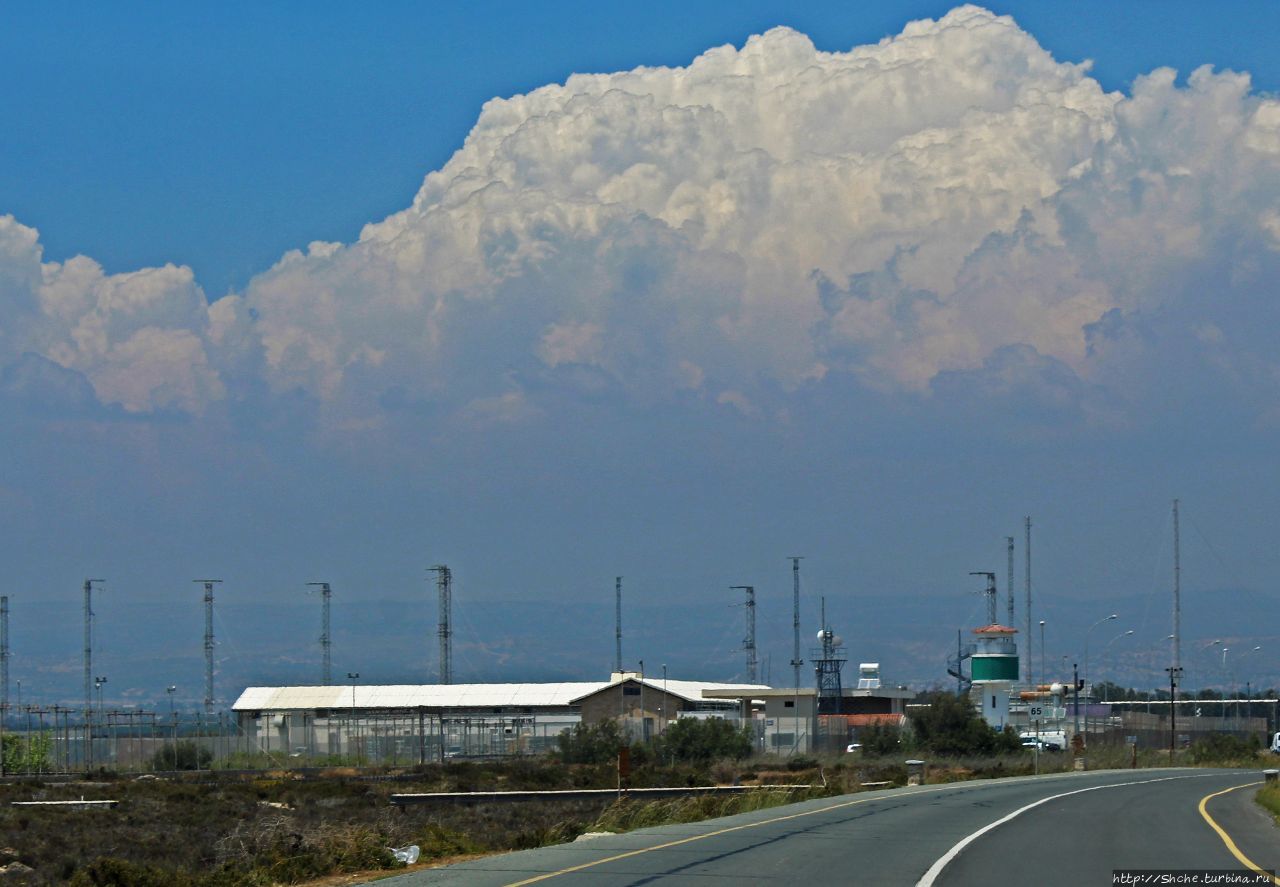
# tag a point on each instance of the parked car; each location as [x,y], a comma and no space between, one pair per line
[1043,744]
[1275,744]
[854,747]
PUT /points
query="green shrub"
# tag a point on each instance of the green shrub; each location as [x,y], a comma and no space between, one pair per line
[1224,748]
[880,739]
[691,739]
[589,743]
[1269,797]
[27,754]
[110,871]
[950,727]
[182,755]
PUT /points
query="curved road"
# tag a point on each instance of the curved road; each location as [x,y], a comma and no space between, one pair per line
[1069,829]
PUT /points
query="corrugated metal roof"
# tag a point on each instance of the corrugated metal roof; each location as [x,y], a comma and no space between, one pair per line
[414,696]
[459,696]
[691,691]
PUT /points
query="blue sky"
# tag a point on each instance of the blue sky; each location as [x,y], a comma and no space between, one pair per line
[219,137]
[868,307]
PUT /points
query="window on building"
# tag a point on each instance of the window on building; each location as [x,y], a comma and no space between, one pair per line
[790,703]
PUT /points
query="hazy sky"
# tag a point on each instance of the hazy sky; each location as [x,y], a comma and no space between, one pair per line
[558,292]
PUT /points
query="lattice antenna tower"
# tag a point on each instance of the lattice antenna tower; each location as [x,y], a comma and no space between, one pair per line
[88,645]
[749,642]
[326,640]
[208,641]
[1009,586]
[444,589]
[4,655]
[828,663]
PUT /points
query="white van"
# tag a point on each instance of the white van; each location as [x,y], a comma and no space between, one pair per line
[1275,744]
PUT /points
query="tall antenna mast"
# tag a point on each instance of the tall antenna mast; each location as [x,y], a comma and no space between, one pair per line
[1177,593]
[796,661]
[88,644]
[208,641]
[617,623]
[444,586]
[749,642]
[1009,541]
[1026,638]
[325,640]
[4,656]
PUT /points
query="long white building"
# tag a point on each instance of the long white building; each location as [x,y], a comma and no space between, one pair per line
[417,723]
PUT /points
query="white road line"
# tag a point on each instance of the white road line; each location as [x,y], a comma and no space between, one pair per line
[943,861]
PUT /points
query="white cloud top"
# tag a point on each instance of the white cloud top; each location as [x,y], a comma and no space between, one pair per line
[951,206]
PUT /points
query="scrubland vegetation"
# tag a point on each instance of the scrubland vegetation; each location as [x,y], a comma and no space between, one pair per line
[208,829]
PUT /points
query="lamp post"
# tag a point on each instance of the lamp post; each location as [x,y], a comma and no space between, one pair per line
[662,721]
[173,721]
[1086,643]
[97,685]
[1044,672]
[1123,634]
[353,676]
[1248,652]
[643,737]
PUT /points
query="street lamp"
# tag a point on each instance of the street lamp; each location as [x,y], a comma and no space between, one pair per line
[173,720]
[663,720]
[97,684]
[1086,643]
[1123,634]
[1044,672]
[353,676]
[643,737]
[1249,652]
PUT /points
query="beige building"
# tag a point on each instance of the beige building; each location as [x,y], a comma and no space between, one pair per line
[645,706]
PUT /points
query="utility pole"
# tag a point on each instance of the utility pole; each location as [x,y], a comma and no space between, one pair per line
[617,623]
[444,587]
[749,642]
[325,640]
[1174,673]
[208,641]
[88,646]
[1009,587]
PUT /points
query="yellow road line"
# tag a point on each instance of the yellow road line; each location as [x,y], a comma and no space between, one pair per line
[1226,839]
[723,831]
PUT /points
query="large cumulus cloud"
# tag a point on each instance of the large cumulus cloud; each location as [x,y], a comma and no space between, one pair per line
[951,207]
[141,340]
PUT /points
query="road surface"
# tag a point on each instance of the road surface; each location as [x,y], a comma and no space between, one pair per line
[1064,829]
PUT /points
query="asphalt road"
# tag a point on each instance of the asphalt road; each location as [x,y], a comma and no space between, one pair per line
[1065,829]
